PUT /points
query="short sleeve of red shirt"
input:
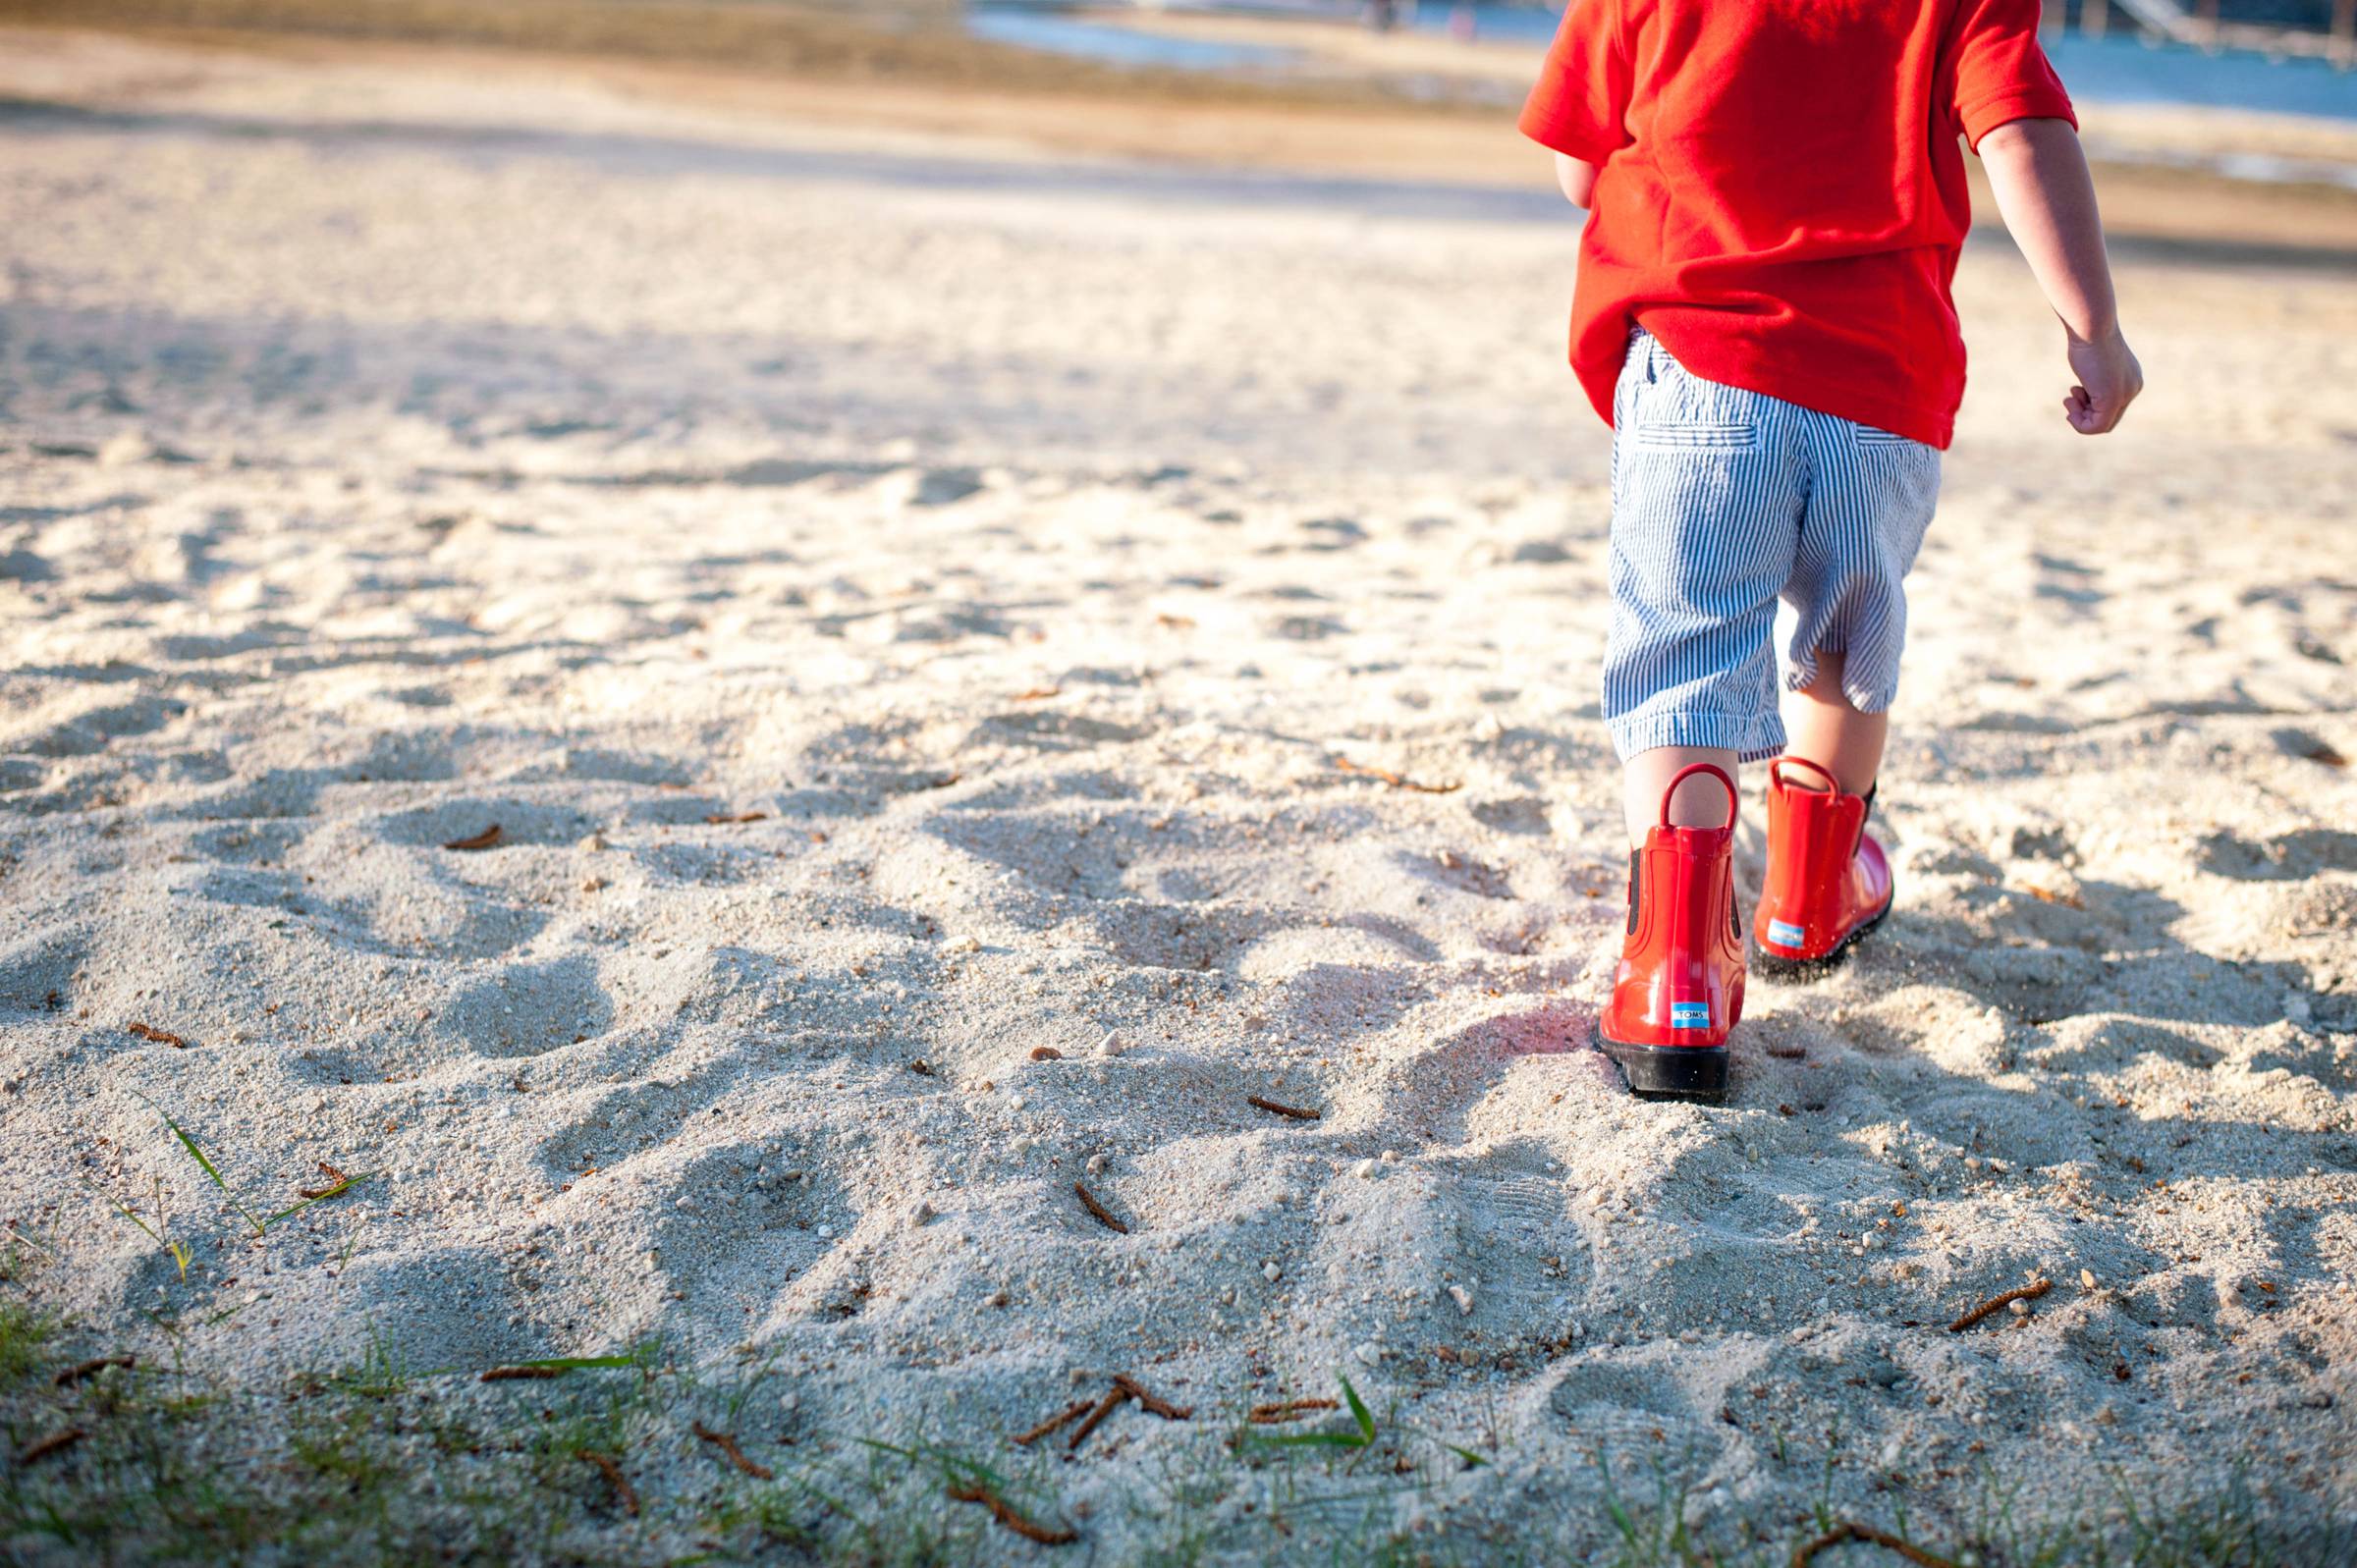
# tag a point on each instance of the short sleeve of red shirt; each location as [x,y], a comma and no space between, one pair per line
[2000,72]
[1582,93]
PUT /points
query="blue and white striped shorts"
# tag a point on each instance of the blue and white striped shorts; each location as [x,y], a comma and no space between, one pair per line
[1722,502]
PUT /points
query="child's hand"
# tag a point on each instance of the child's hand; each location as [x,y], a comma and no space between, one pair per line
[2039,176]
[2109,380]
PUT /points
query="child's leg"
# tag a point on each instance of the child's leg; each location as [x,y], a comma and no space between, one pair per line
[1828,731]
[1699,802]
[1707,490]
[1828,882]
[1868,508]
[1706,497]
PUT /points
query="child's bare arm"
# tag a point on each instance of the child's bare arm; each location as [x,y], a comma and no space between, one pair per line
[2048,200]
[1577,177]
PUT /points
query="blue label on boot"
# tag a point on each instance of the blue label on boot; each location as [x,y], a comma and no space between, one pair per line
[1689,1015]
[1785,934]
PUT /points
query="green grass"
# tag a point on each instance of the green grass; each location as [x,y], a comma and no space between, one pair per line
[376,1460]
[1361,1434]
[160,1233]
[179,1249]
[2142,1526]
[25,1334]
[258,1224]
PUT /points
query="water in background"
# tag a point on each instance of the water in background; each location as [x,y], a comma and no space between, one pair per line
[2117,68]
[1050,30]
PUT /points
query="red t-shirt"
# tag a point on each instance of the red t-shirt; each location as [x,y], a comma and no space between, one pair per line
[1779,195]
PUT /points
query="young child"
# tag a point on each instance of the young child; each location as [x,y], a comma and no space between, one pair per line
[1776,201]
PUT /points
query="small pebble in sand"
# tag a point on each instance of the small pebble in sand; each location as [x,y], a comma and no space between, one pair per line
[997,1298]
[1046,1054]
[921,1213]
[1114,1044]
[2019,1309]
[1463,1299]
[1369,1353]
[595,841]
[1364,1169]
[2087,1278]
[1391,1157]
[1096,1165]
[965,945]
[1271,1272]
[824,1231]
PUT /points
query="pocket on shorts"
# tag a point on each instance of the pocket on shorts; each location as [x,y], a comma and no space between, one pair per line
[1867,436]
[1699,435]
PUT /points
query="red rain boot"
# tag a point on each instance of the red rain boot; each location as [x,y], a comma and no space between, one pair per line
[1827,884]
[1679,987]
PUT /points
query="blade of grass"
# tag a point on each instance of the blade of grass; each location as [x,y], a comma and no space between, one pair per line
[635,1356]
[23,1239]
[120,1208]
[892,1449]
[1315,1440]
[178,1251]
[1358,1409]
[197,1154]
[953,1466]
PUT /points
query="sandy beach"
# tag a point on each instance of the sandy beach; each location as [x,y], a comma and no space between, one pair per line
[720,704]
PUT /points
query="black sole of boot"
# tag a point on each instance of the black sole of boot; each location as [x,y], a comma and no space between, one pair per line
[1803,970]
[1668,1073]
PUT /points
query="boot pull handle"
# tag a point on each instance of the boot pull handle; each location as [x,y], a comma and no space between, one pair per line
[1827,774]
[1734,801]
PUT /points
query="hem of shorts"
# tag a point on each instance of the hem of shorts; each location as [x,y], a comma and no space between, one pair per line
[1803,672]
[1751,739]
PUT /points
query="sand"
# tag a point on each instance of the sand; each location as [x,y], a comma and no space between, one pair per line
[904,606]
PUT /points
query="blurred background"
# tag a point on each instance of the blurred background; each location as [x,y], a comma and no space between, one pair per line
[2275,57]
[2224,132]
